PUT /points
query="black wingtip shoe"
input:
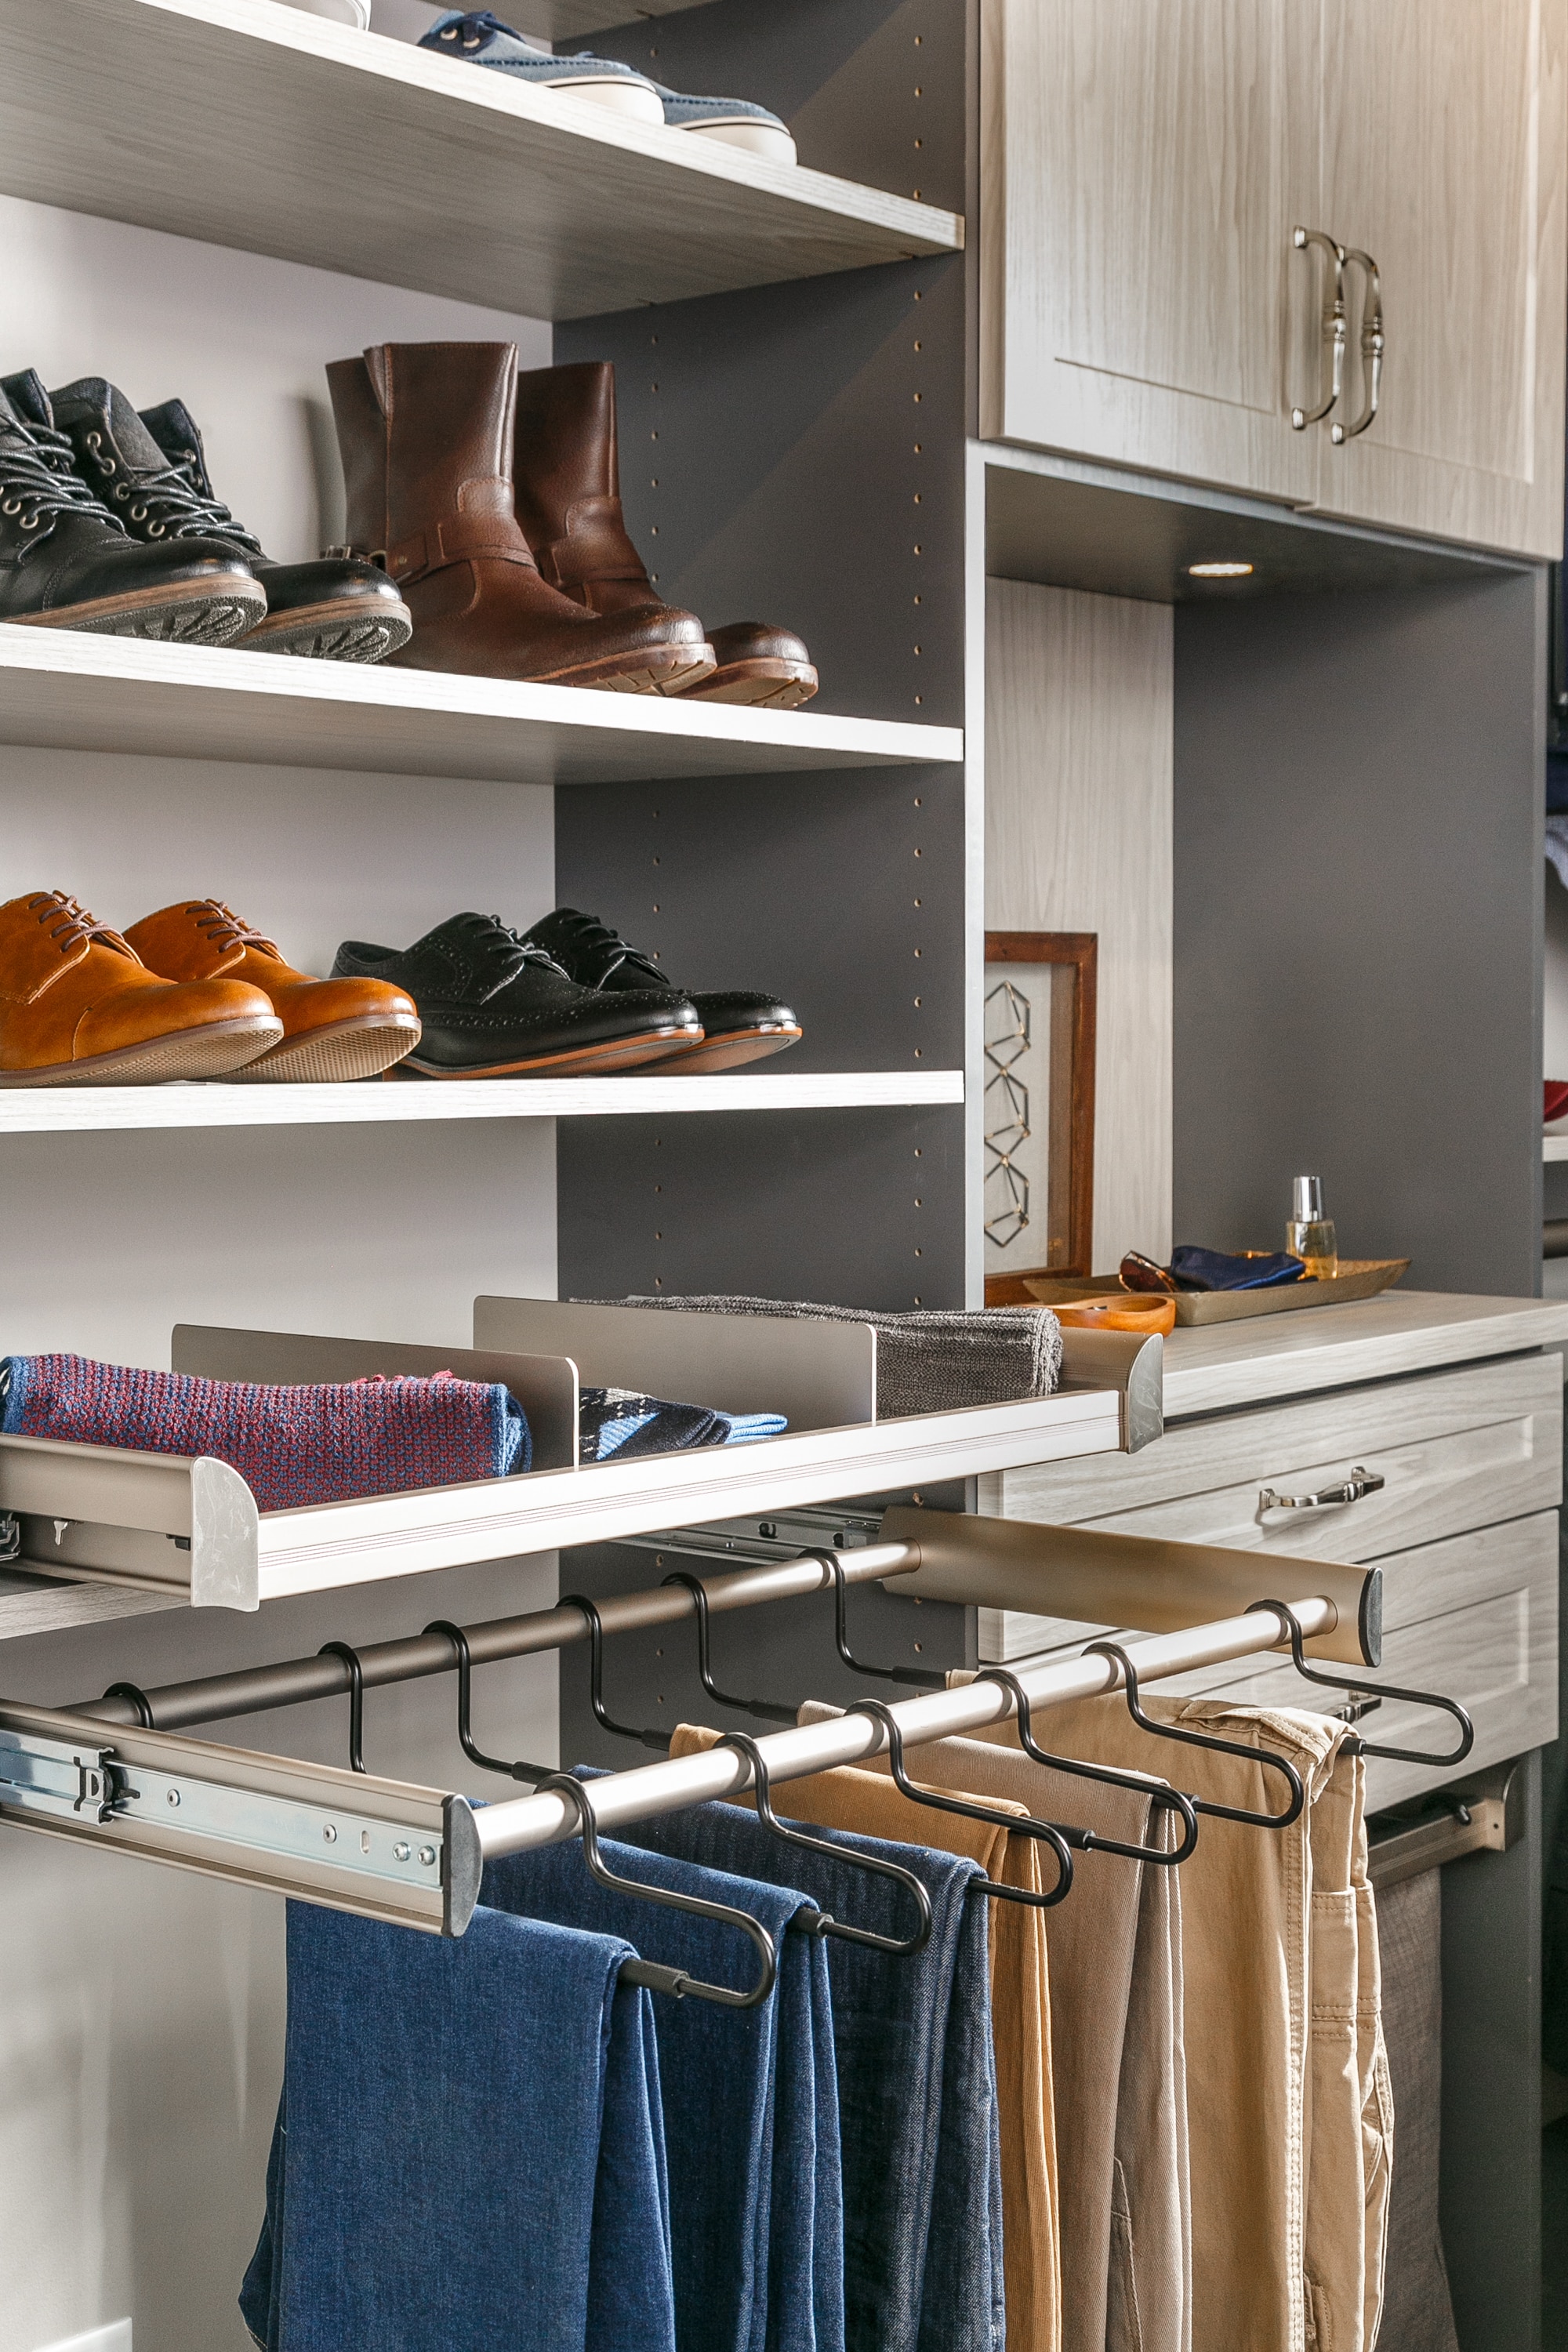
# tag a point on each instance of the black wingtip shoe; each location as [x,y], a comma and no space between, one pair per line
[337,609]
[495,1006]
[66,564]
[739,1024]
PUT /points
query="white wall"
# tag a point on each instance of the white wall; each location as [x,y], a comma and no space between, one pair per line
[140,2020]
[1078,838]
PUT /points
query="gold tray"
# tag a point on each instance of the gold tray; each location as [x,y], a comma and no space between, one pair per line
[1358,1277]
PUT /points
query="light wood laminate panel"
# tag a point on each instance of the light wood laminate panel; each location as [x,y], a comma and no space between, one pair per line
[1143,163]
[1445,151]
[1224,1365]
[1268,1445]
[1495,1651]
[64,688]
[44,1604]
[280,132]
[1078,838]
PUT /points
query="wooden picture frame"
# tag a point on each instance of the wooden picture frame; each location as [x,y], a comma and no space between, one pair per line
[1069,1152]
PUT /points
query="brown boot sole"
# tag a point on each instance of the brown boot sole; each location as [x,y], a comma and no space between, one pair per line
[209,1053]
[730,1051]
[622,1052]
[338,630]
[766,685]
[655,672]
[337,1054]
[177,615]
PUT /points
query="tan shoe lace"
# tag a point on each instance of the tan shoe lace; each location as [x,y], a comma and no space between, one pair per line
[74,922]
[225,929]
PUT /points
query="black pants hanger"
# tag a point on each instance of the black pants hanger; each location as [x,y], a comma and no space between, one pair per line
[654,1973]
[1355,1743]
[466,1740]
[902,1948]
[658,1740]
[1169,1800]
[1190,1738]
[1046,1833]
[356,1698]
[760,1706]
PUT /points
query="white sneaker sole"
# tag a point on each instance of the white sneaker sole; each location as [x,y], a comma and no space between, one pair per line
[756,138]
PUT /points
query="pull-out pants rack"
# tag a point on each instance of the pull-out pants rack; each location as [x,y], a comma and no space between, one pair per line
[112,1772]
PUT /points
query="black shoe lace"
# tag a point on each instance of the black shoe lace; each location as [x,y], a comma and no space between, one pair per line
[168,500]
[501,944]
[587,933]
[37,482]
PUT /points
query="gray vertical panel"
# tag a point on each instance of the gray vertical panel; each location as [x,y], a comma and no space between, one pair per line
[873,89]
[1490,2196]
[1358,916]
[859,1208]
[790,455]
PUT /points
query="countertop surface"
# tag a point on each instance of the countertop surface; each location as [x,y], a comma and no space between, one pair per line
[1214,1367]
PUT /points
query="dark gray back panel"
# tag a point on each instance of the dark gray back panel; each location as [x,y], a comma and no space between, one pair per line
[872,90]
[858,1208]
[1358,923]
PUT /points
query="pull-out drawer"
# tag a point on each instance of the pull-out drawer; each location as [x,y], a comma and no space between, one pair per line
[1475,1619]
[1455,1451]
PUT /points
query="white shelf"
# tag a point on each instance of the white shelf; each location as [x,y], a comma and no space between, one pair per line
[265,128]
[78,1111]
[71,691]
[1554,1146]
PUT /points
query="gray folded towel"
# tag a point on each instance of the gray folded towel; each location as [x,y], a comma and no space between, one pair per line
[932,1360]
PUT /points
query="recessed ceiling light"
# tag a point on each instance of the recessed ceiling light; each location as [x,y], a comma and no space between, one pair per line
[1218,570]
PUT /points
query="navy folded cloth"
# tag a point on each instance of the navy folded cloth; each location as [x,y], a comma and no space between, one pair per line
[1206,1269]
[317,1443]
[917,2079]
[614,1423]
[750,2096]
[469,2149]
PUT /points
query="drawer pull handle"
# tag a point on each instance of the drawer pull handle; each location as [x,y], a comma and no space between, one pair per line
[1360,1482]
[1361,1692]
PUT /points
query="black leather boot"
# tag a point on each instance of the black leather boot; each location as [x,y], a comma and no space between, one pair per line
[65,564]
[152,472]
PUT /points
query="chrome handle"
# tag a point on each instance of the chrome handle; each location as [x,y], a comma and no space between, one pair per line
[1372,347]
[1361,1482]
[1335,328]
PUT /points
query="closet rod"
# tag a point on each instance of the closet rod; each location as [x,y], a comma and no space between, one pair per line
[520,1823]
[293,1681]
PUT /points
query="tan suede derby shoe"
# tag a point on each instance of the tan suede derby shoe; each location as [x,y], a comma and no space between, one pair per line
[331,1028]
[78,1007]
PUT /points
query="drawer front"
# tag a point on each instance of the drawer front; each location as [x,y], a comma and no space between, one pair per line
[1271,1445]
[1490,1642]
[1457,1451]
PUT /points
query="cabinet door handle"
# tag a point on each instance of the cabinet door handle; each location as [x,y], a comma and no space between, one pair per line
[1335,331]
[1361,1482]
[1371,346]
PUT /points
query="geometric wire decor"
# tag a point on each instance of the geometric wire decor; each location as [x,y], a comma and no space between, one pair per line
[1007,1040]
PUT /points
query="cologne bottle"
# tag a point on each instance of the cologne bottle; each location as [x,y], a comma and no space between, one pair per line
[1309,1235]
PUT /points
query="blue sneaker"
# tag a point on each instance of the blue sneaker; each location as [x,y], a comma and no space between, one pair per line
[478,38]
[738,121]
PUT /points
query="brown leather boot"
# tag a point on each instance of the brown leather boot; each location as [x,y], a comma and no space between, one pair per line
[425,432]
[569,504]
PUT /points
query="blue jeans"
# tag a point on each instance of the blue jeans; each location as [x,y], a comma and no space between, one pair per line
[916,2081]
[469,2152]
[751,2104]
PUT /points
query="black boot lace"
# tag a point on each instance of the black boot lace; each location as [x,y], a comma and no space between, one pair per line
[35,487]
[166,499]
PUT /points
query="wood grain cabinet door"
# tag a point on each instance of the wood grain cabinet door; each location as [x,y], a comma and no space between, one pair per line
[1143,163]
[1445,137]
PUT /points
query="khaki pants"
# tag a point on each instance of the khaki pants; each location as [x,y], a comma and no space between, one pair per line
[1289,2115]
[1114,1951]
